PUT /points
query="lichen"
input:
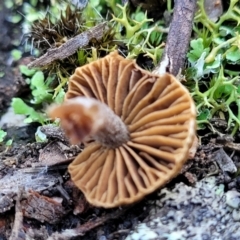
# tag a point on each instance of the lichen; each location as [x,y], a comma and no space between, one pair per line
[195,213]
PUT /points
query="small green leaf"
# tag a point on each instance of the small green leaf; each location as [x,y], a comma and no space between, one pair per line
[20,107]
[16,54]
[140,16]
[197,46]
[37,80]
[197,50]
[26,71]
[9,142]
[40,89]
[8,4]
[233,56]
[16,18]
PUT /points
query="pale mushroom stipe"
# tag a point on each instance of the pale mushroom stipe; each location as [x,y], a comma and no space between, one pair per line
[141,128]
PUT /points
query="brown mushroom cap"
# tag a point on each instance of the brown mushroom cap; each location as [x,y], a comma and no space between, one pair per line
[160,116]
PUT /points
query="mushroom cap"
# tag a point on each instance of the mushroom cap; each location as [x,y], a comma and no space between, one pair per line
[161,119]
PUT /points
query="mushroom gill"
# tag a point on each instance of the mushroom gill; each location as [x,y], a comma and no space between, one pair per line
[141,126]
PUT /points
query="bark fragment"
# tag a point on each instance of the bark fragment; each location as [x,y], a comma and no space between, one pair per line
[42,208]
[70,47]
[178,38]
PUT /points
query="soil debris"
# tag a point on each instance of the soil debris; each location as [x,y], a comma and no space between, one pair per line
[224,161]
[42,208]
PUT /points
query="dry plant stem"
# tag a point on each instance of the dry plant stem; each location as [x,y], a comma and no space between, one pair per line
[17,231]
[70,47]
[178,38]
[232,146]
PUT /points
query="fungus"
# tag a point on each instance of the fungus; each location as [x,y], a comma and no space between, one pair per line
[137,128]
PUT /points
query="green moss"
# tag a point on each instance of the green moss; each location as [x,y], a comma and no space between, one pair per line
[213,55]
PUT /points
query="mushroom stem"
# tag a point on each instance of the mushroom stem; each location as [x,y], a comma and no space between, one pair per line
[84,119]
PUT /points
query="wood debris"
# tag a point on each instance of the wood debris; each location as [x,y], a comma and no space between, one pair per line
[30,181]
[17,231]
[70,47]
[82,229]
[42,208]
[178,38]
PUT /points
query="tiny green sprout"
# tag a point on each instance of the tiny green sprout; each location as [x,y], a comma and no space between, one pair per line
[9,143]
[16,54]
[3,134]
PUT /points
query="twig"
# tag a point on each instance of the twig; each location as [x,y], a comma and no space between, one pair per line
[115,235]
[83,229]
[232,146]
[17,231]
[178,38]
[70,47]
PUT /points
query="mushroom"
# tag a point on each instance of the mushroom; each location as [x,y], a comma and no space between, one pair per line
[137,127]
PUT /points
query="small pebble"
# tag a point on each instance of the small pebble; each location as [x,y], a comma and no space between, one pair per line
[233,199]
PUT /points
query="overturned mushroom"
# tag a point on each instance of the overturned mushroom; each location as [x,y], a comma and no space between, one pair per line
[138,128]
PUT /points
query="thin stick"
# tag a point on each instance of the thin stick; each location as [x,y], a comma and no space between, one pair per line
[178,38]
[17,230]
[71,46]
